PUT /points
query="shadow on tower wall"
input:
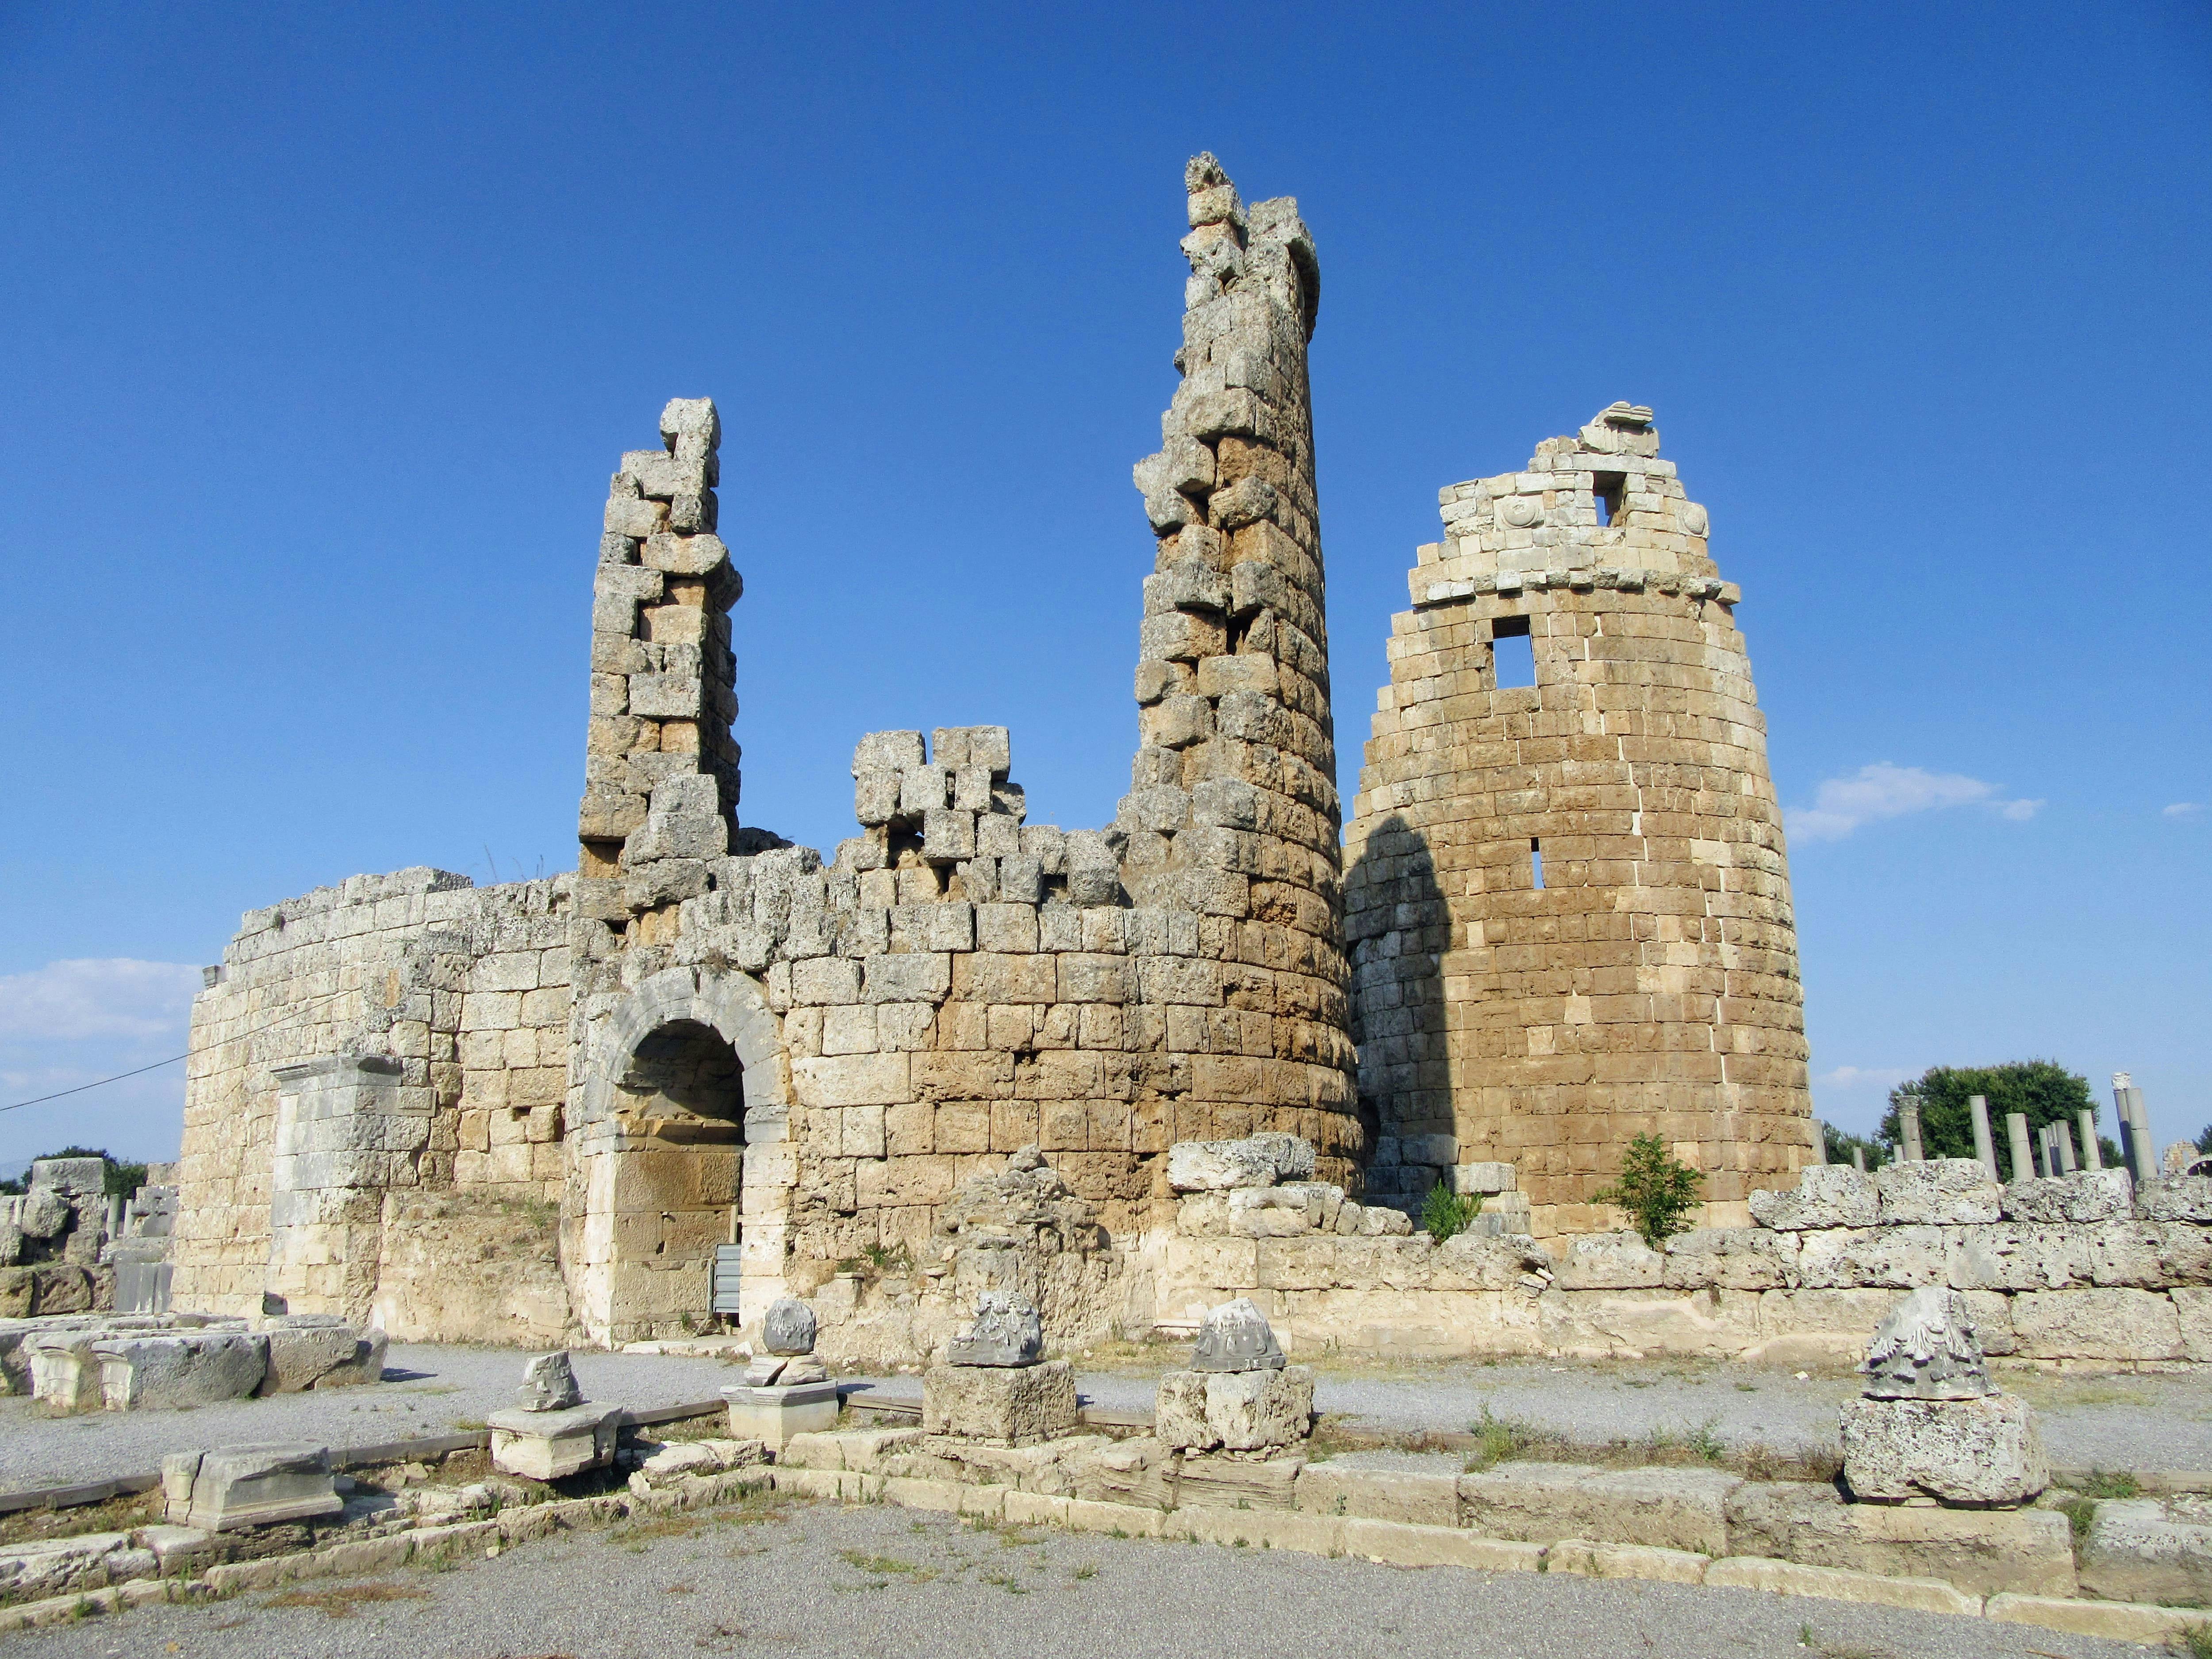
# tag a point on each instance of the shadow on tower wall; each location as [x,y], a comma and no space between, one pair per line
[1397,928]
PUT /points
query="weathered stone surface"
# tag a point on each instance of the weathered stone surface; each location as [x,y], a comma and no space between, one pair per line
[548,1445]
[789,1327]
[1142,1470]
[2149,1549]
[1235,1337]
[1609,1261]
[304,1350]
[1937,1191]
[1671,1509]
[999,1405]
[691,1458]
[253,1486]
[1204,1166]
[777,1413]
[786,1370]
[1006,1331]
[1412,1496]
[2085,1195]
[181,1370]
[1841,1585]
[1255,1411]
[1982,1552]
[1826,1195]
[1218,1480]
[2182,1198]
[1927,1349]
[1984,1451]
[2096,1324]
[549,1383]
[54,1566]
[1179,1411]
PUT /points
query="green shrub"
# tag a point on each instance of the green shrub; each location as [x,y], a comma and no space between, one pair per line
[1655,1188]
[1445,1215]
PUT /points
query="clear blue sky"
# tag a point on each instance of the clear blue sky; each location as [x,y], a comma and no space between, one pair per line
[326,324]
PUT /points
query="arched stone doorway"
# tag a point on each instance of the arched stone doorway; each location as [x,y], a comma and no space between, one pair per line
[678,1148]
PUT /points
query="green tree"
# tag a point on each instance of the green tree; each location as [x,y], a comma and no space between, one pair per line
[1655,1188]
[2042,1090]
[1838,1146]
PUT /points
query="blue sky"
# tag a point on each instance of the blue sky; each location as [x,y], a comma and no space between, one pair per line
[327,325]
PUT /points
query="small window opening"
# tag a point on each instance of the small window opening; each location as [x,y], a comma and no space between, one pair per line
[1536,861]
[1512,652]
[1612,488]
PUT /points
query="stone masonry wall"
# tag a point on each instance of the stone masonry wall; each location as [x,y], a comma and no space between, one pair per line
[1651,983]
[2077,1271]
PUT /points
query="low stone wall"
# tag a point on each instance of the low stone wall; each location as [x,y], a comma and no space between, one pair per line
[2078,1269]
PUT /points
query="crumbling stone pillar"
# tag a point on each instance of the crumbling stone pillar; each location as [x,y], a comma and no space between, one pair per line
[1233,814]
[1568,902]
[349,1129]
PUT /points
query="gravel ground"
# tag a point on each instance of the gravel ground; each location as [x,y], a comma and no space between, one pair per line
[428,1390]
[2162,1422]
[882,1580]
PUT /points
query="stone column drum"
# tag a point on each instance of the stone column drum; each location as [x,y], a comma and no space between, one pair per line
[784,1391]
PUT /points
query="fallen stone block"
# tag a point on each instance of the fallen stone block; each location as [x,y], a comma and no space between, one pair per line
[861,1449]
[550,1446]
[180,1372]
[691,1458]
[303,1349]
[254,1486]
[1541,1503]
[999,1405]
[1836,1584]
[53,1566]
[1984,1451]
[1982,1552]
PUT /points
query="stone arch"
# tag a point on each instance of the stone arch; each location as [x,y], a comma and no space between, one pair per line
[679,1140]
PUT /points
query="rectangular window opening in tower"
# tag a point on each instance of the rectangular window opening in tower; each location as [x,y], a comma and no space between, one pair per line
[1607,492]
[1536,862]
[1512,652]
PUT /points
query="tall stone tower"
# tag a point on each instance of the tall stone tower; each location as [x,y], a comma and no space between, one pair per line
[1567,902]
[1232,812]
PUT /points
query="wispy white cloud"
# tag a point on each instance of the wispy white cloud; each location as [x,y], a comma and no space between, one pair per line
[1884,791]
[2183,809]
[98,997]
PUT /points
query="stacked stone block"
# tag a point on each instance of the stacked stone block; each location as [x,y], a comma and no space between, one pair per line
[1232,815]
[1650,984]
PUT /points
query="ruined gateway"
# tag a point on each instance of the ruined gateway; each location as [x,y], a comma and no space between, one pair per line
[542,1111]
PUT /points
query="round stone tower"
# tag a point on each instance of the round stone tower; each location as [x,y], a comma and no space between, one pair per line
[1567,898]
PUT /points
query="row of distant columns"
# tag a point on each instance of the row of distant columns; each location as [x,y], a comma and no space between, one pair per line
[2052,1151]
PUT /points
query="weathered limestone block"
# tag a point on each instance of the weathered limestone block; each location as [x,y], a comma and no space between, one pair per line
[2085,1195]
[2022,1256]
[2181,1198]
[1896,1258]
[254,1486]
[1609,1261]
[1731,1259]
[776,1413]
[999,1405]
[1207,1166]
[1540,1502]
[690,1458]
[1983,1552]
[789,1327]
[1827,1195]
[549,1445]
[1984,1451]
[1257,1410]
[182,1370]
[2096,1324]
[1407,1496]
[305,1351]
[2147,1549]
[65,1372]
[1143,1471]
[1938,1191]
[57,1566]
[1179,1411]
[1220,1480]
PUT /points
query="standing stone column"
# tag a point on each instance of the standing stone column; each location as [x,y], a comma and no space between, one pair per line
[2093,1155]
[1984,1147]
[2135,1130]
[2023,1161]
[1908,1133]
[1232,813]
[2063,1136]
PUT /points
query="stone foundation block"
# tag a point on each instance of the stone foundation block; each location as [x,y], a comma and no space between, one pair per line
[1398,1546]
[1982,1552]
[1139,1472]
[776,1414]
[1958,1451]
[1827,1195]
[549,1445]
[1943,1192]
[1835,1585]
[999,1405]
[1541,1503]
[1587,1559]
[2138,1550]
[1416,1499]
[1235,1411]
[2115,1621]
[1220,1482]
[171,1373]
